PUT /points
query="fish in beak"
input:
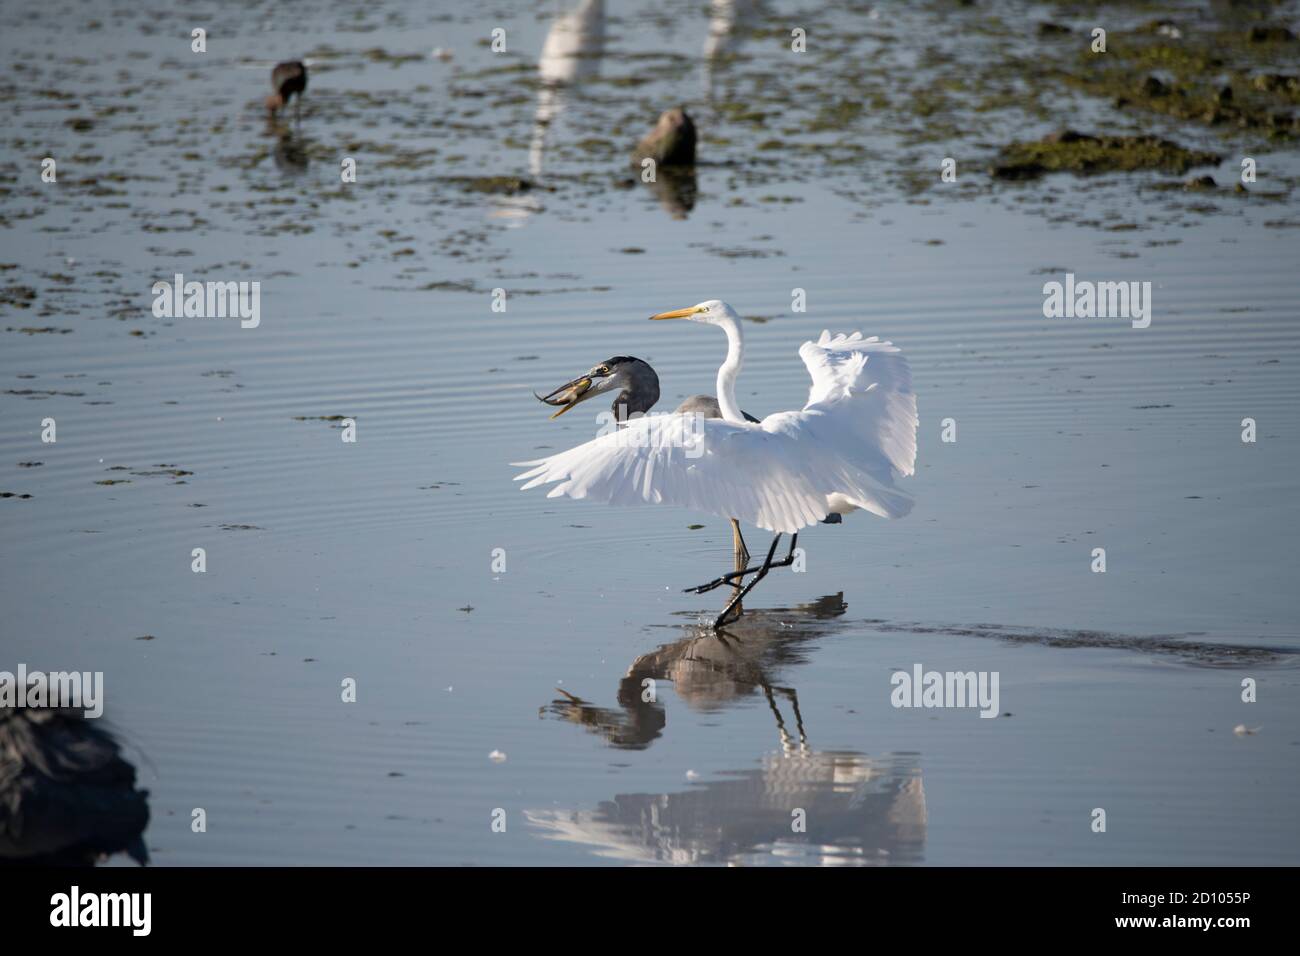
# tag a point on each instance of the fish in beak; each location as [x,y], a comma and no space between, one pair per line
[568,395]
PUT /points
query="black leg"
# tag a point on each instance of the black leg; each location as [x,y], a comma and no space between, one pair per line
[731,577]
[768,564]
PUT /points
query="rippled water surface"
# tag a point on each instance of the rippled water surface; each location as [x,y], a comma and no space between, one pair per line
[375,561]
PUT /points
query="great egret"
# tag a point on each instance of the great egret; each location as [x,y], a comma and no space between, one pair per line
[840,453]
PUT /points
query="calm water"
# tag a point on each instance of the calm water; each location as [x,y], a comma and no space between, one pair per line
[374,560]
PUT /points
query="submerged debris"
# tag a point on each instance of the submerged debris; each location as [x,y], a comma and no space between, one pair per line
[502,185]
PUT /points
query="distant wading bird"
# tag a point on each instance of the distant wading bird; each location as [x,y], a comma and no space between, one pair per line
[287,78]
[841,452]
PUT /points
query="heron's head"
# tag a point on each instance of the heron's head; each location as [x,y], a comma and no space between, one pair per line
[714,312]
[620,373]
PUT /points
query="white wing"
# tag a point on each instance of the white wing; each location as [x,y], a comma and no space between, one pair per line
[857,430]
[865,387]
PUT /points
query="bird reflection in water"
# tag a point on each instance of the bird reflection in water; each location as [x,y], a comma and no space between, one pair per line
[676,188]
[291,150]
[709,670]
[571,53]
[730,23]
[858,810]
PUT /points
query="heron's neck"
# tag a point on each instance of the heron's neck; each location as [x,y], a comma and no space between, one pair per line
[730,370]
[633,402]
[639,394]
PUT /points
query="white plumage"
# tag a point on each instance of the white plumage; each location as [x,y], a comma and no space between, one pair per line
[842,451]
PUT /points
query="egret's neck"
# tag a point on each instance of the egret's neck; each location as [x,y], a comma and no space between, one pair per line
[730,370]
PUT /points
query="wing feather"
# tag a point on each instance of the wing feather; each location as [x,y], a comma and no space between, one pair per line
[865,386]
[855,435]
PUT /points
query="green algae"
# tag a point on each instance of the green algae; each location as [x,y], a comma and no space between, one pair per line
[1069,151]
[1218,78]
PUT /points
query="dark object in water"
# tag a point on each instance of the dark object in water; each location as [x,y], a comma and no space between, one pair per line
[66,795]
[1153,86]
[290,153]
[287,78]
[1071,151]
[1270,33]
[670,143]
[676,189]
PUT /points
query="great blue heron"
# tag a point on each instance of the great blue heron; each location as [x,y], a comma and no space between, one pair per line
[66,794]
[287,78]
[841,452]
[636,388]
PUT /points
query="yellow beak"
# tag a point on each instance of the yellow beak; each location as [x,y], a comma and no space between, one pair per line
[677,313]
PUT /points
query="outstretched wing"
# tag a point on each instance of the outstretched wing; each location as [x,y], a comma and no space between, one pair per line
[865,388]
[778,474]
[706,464]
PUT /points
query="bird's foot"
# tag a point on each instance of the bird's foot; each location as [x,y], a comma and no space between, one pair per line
[731,577]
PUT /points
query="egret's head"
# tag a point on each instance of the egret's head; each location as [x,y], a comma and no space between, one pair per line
[621,373]
[714,312]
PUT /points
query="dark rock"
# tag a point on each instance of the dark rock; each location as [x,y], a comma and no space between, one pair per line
[1067,136]
[1154,87]
[1270,33]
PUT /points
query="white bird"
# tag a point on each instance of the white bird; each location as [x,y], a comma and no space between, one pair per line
[840,453]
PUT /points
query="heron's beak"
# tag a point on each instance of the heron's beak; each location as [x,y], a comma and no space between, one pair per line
[677,313]
[567,395]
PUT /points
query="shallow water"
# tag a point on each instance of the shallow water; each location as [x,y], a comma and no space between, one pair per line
[374,560]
